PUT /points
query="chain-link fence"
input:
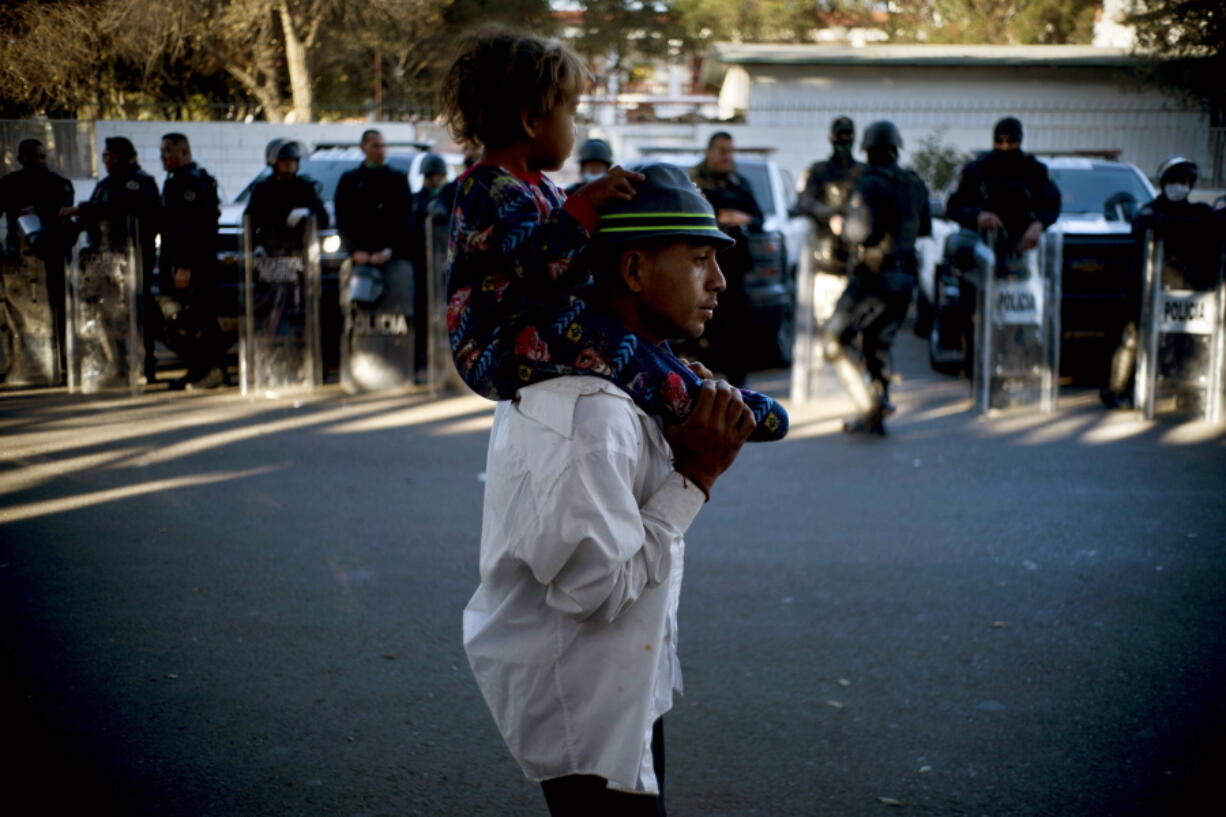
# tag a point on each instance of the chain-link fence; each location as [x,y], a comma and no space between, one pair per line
[71,149]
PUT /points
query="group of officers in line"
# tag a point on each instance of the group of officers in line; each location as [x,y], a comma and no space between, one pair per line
[868,217]
[379,221]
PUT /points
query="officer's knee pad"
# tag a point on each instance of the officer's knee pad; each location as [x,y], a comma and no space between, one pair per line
[1129,337]
[832,350]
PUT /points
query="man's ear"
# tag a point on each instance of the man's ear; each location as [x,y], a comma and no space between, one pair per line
[631,268]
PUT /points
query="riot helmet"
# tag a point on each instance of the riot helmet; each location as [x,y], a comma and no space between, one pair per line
[289,149]
[596,150]
[1177,176]
[365,285]
[881,137]
[433,163]
[1177,167]
[270,151]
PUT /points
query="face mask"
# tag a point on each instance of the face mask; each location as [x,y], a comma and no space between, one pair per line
[591,177]
[842,147]
[1176,192]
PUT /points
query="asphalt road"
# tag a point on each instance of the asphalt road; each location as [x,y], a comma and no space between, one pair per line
[214,606]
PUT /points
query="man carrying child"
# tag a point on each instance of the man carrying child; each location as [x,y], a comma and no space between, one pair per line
[605,445]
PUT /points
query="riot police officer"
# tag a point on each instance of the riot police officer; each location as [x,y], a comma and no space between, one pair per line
[1189,262]
[426,202]
[887,212]
[1006,192]
[738,214]
[595,159]
[375,217]
[37,190]
[34,189]
[188,263]
[274,198]
[373,206]
[126,198]
[827,188]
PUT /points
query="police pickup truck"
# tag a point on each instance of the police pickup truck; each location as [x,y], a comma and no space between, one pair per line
[1098,197]
[324,165]
[771,287]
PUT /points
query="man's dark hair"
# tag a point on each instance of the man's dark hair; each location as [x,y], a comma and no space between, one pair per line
[368,133]
[122,147]
[719,134]
[497,76]
[179,140]
[26,148]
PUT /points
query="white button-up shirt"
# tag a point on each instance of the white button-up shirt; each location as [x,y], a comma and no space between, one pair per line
[572,635]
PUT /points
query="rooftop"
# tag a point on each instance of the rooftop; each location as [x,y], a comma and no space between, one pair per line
[1003,55]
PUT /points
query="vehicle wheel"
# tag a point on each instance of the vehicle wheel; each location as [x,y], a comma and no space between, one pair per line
[934,358]
[923,313]
[786,336]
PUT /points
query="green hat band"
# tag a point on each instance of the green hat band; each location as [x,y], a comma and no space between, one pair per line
[657,222]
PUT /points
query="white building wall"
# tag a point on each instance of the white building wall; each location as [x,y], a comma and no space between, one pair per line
[1061,109]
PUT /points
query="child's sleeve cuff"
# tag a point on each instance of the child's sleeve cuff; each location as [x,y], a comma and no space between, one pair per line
[584,213]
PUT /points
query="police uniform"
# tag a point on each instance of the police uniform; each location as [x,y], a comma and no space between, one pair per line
[189,241]
[887,212]
[373,210]
[889,207]
[44,193]
[41,190]
[271,202]
[1191,255]
[1013,185]
[827,189]
[127,197]
[1190,258]
[725,335]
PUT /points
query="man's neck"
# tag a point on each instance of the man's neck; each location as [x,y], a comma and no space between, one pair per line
[625,308]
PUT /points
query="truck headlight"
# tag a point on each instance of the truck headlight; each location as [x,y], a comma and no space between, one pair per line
[331,244]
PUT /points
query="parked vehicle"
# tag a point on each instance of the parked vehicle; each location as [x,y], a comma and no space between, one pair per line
[1098,200]
[771,287]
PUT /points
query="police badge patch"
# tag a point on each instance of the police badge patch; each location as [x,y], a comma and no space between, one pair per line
[133,185]
[190,195]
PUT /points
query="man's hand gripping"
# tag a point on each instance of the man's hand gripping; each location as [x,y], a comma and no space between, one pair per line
[708,441]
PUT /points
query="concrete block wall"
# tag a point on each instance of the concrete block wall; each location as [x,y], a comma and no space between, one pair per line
[232,151]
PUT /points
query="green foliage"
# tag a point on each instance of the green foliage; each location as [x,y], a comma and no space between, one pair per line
[998,22]
[161,58]
[937,163]
[1189,39]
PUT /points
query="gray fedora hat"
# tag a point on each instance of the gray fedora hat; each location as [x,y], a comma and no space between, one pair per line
[666,204]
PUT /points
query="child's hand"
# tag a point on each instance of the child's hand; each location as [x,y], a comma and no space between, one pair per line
[614,185]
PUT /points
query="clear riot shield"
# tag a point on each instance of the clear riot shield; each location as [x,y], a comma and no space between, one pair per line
[377,339]
[1017,332]
[1180,359]
[105,338]
[817,294]
[441,369]
[29,336]
[279,338]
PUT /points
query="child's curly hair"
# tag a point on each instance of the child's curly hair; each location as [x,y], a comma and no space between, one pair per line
[499,74]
